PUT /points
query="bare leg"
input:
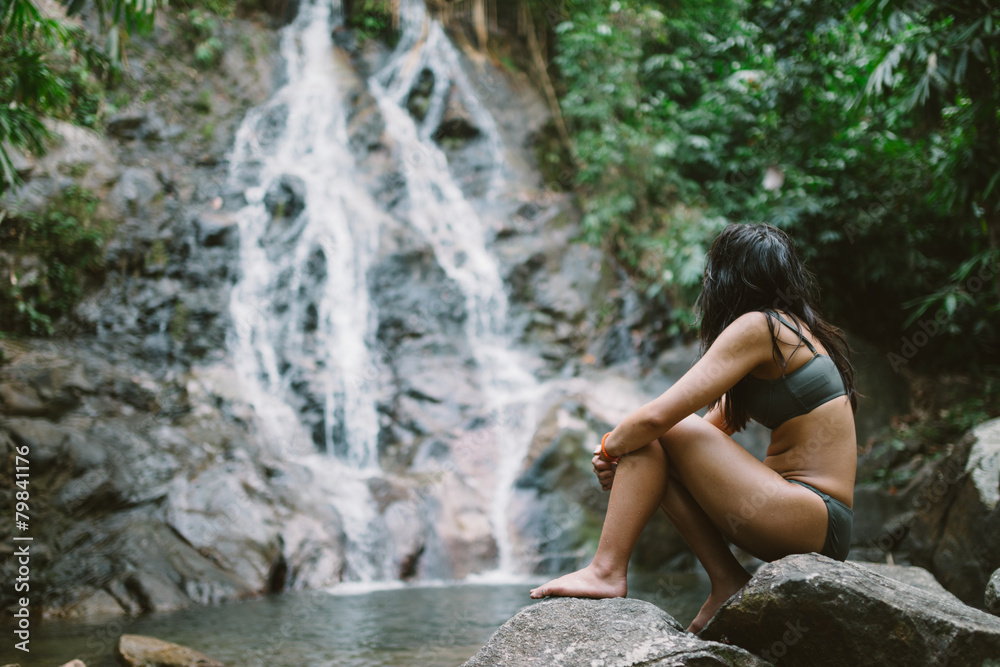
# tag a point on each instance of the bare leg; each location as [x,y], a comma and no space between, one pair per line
[724,493]
[717,493]
[711,549]
[640,481]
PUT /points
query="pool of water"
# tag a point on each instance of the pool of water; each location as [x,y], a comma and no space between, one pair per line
[350,626]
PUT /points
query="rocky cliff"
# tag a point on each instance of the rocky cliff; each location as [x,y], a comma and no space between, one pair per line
[154,484]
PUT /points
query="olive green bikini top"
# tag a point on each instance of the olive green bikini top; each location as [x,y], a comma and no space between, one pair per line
[773,402]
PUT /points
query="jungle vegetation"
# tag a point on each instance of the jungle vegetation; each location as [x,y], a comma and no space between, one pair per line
[869,130]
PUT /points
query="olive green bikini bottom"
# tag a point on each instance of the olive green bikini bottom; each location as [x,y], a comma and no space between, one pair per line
[838,528]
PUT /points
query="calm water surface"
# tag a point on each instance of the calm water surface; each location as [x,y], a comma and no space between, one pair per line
[428,625]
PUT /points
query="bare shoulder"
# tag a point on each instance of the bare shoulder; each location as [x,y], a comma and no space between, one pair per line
[749,328]
[748,338]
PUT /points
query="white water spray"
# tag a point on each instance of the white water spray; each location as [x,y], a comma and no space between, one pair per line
[300,136]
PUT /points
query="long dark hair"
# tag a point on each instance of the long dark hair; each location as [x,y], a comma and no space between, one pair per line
[754,267]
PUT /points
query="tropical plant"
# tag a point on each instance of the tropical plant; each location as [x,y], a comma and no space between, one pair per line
[51,256]
[44,60]
[869,131]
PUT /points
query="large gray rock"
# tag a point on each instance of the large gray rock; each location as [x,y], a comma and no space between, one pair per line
[611,633]
[40,385]
[135,190]
[811,610]
[560,291]
[140,651]
[422,340]
[79,151]
[954,530]
[992,596]
[909,574]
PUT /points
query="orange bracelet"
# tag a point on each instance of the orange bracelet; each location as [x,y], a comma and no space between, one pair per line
[604,452]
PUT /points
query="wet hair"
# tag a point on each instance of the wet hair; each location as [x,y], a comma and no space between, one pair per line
[754,267]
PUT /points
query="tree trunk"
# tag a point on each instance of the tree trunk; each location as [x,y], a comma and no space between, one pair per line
[479,23]
[543,74]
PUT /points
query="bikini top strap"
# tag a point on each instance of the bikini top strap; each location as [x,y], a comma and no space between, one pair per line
[794,328]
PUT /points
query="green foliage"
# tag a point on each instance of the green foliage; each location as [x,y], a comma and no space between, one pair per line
[46,261]
[179,322]
[51,69]
[372,19]
[225,9]
[202,32]
[870,133]
[940,62]
[630,76]
[946,408]
[29,89]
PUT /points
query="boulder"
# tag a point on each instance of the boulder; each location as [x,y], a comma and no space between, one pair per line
[79,156]
[811,610]
[285,200]
[992,596]
[954,530]
[135,190]
[214,230]
[41,385]
[140,651]
[419,99]
[286,197]
[611,633]
[457,123]
[45,441]
[908,574]
[127,124]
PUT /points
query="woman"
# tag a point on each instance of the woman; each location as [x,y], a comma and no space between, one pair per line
[767,355]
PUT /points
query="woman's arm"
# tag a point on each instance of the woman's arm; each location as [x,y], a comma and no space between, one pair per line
[741,347]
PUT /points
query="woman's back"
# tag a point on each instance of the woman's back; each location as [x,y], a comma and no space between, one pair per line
[814,441]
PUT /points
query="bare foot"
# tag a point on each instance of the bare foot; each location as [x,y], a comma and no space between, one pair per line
[585,583]
[720,593]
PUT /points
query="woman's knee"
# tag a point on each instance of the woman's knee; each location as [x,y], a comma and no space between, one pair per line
[687,431]
[650,451]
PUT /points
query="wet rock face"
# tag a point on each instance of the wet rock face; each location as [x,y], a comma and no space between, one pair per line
[159,492]
[992,595]
[150,499]
[457,124]
[286,198]
[809,609]
[946,520]
[614,633]
[420,96]
[42,386]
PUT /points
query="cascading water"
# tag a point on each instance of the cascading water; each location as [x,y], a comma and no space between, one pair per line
[309,233]
[329,242]
[456,232]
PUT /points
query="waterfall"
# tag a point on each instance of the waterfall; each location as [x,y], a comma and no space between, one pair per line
[309,235]
[330,242]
